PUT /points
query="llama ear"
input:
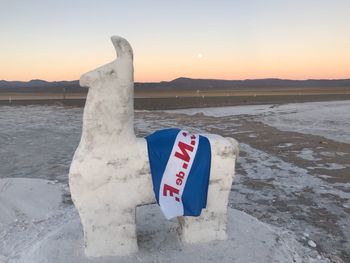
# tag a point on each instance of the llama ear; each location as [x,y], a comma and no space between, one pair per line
[122,47]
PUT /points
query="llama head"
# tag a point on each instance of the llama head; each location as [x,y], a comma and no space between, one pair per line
[109,107]
[120,72]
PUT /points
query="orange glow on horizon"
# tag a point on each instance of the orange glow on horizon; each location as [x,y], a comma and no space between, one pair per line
[169,67]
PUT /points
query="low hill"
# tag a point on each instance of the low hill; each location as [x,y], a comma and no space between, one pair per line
[185,84]
[272,83]
[37,85]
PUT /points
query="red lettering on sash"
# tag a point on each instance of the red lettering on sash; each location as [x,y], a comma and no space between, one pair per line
[180,176]
[178,181]
[171,190]
[184,147]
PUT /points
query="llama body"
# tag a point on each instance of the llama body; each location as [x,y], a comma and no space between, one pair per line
[110,174]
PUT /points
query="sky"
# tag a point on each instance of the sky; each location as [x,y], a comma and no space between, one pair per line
[233,39]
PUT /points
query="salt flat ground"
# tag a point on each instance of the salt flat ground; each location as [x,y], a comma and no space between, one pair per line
[291,186]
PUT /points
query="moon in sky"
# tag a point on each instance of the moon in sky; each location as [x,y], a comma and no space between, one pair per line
[200,55]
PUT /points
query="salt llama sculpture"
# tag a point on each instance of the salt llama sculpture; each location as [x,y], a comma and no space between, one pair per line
[110,173]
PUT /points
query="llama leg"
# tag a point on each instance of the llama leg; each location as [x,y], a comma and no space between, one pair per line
[211,224]
[110,233]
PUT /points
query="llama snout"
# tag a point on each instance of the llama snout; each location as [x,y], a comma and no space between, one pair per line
[87,79]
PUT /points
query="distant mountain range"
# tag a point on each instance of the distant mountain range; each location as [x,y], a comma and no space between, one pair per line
[38,85]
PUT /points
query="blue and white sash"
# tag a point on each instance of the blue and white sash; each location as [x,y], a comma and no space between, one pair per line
[180,168]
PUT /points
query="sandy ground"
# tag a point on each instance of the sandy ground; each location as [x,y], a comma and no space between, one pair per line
[37,230]
[292,177]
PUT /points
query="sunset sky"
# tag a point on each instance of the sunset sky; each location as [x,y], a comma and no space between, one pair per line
[234,39]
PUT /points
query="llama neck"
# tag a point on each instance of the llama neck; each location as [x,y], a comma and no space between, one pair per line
[109,115]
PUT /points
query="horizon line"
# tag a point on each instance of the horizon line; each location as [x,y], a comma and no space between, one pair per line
[268,78]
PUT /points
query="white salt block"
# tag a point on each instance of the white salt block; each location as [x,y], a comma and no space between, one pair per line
[110,174]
